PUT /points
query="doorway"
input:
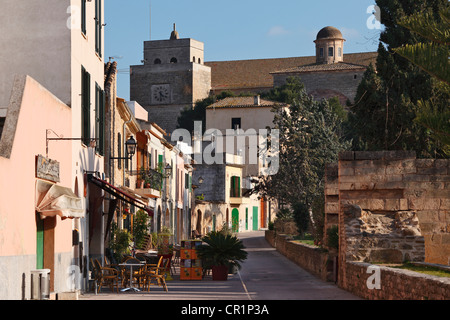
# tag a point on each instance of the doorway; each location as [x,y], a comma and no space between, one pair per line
[235,220]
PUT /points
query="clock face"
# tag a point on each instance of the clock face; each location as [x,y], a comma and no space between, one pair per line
[161,93]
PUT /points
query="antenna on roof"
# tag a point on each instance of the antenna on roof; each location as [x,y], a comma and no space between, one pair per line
[150,19]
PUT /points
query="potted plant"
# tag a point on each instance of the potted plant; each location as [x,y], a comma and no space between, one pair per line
[220,252]
[141,178]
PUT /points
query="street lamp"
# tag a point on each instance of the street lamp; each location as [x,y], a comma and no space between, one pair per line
[167,171]
[130,146]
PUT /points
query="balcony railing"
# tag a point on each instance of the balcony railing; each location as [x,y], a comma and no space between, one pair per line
[148,178]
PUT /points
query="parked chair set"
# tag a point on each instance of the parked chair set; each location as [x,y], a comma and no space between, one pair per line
[144,276]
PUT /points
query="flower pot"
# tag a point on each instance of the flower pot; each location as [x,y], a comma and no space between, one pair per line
[220,273]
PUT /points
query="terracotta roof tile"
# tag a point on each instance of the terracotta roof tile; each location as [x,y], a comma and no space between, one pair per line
[242,74]
[243,102]
[323,67]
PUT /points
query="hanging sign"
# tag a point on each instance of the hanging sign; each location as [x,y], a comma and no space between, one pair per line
[47,169]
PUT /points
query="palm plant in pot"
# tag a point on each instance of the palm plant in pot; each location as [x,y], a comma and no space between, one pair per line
[221,251]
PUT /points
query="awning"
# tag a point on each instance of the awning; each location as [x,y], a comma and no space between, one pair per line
[124,196]
[52,200]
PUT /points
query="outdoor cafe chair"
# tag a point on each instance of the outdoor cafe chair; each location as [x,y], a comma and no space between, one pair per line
[138,272]
[158,274]
[105,276]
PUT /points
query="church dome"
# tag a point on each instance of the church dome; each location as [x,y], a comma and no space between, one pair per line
[329,33]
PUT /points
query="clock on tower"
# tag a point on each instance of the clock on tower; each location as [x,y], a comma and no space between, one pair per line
[160,93]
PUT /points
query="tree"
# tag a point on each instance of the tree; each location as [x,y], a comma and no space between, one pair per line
[308,139]
[432,57]
[387,100]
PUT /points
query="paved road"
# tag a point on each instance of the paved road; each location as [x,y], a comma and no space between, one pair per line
[265,275]
[268,275]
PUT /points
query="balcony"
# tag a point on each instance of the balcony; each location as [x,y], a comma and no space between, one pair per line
[148,183]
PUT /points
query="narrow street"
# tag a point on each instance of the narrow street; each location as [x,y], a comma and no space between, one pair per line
[268,275]
[265,275]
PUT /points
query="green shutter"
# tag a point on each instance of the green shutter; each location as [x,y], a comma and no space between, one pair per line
[238,191]
[83,16]
[39,243]
[232,187]
[99,118]
[85,107]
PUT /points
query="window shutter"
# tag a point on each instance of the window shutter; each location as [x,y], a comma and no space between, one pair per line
[238,191]
[83,16]
[233,187]
[85,106]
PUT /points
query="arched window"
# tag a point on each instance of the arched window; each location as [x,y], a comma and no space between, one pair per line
[157,61]
[199,61]
[193,59]
[173,60]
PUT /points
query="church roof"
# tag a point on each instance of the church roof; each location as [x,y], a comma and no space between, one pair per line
[321,67]
[243,102]
[256,74]
[329,33]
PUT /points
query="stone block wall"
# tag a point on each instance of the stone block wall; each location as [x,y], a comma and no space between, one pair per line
[395,284]
[315,260]
[392,207]
[331,198]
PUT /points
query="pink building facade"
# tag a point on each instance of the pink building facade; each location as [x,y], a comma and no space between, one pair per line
[30,239]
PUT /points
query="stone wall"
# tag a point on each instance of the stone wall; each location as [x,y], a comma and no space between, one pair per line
[313,259]
[331,199]
[395,284]
[342,84]
[392,207]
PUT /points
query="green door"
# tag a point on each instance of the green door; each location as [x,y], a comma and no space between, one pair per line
[39,243]
[235,220]
[255,218]
[246,218]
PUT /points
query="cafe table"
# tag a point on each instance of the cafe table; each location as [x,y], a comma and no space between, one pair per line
[131,265]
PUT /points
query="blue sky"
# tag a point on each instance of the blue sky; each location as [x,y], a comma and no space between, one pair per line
[233,29]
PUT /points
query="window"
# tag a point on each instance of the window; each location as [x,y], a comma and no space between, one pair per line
[235,191]
[193,59]
[235,123]
[199,61]
[330,52]
[85,106]
[83,16]
[340,52]
[157,61]
[98,27]
[321,52]
[100,119]
[173,60]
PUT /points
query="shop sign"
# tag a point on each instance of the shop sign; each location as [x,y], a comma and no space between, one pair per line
[47,169]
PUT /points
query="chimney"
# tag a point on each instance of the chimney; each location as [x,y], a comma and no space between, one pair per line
[257,100]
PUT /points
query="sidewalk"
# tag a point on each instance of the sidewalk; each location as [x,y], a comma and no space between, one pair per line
[205,289]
